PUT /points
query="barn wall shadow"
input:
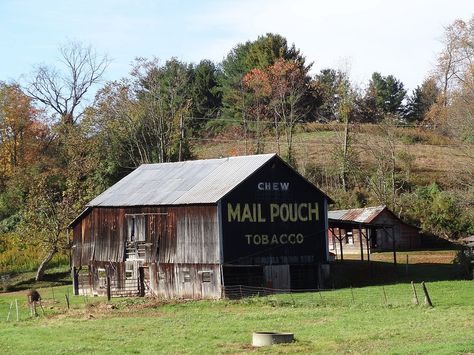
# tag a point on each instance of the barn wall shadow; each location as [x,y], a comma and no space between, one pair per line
[362,273]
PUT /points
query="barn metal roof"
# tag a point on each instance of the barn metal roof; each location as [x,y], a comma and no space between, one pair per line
[181,183]
[360,215]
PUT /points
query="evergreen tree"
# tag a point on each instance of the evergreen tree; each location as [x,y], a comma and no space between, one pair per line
[421,100]
[259,54]
[384,95]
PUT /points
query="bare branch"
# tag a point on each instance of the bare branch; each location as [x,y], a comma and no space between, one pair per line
[63,91]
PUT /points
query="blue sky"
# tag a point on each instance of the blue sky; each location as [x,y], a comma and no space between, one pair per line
[393,37]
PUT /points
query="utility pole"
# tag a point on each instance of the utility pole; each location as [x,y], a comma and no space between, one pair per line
[181,138]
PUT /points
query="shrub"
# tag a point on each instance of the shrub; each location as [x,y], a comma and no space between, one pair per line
[465,258]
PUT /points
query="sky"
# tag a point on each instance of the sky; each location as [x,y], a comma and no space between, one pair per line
[401,38]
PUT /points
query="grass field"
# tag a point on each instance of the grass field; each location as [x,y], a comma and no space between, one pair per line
[377,319]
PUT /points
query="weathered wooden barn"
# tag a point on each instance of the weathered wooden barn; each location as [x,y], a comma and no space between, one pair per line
[191,229]
[370,229]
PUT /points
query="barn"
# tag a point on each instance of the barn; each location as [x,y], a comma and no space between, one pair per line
[370,229]
[194,229]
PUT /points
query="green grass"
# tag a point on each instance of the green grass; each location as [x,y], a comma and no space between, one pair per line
[358,320]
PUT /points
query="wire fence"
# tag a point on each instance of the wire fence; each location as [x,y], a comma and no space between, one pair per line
[16,306]
[388,295]
[54,300]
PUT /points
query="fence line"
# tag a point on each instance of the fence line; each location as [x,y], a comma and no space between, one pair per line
[57,299]
[387,295]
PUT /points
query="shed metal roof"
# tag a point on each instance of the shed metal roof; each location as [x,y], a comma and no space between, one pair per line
[181,183]
[360,215]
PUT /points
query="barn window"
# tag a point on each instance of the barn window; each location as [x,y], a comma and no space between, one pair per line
[206,276]
[136,228]
[102,277]
[349,238]
[129,270]
[186,276]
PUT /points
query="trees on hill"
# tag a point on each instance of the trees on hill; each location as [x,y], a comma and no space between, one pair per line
[327,85]
[258,54]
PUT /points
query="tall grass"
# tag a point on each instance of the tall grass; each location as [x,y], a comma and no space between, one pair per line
[16,260]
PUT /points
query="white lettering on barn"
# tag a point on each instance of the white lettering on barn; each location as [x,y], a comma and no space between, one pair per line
[273,186]
[275,239]
[273,212]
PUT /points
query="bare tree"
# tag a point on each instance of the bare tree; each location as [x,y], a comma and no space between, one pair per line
[64,90]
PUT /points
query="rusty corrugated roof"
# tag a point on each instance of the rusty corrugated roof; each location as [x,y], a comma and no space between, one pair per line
[360,215]
[189,182]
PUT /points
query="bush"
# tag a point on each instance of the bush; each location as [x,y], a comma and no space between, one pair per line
[465,259]
[440,212]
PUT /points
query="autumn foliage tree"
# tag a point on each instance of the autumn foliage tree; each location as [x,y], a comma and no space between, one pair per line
[257,82]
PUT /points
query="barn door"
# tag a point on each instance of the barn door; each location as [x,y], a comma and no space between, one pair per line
[277,276]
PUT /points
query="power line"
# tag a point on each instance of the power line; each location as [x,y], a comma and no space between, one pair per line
[328,123]
[314,142]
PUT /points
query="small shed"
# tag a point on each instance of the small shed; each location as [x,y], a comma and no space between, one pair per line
[370,229]
[192,229]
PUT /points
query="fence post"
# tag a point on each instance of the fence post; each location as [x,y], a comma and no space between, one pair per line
[352,293]
[9,311]
[415,296]
[17,313]
[75,281]
[108,288]
[384,295]
[67,301]
[427,296]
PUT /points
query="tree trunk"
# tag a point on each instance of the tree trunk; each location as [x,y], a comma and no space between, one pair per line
[44,263]
[345,154]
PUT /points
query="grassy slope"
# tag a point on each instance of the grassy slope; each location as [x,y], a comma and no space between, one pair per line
[435,157]
[328,323]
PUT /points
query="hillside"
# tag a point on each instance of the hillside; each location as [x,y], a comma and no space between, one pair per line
[432,157]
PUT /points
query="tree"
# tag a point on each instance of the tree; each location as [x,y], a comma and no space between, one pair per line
[257,82]
[163,92]
[140,120]
[44,221]
[206,99]
[384,182]
[453,113]
[440,212]
[64,90]
[420,102]
[259,54]
[344,113]
[268,49]
[456,59]
[384,95]
[326,86]
[22,138]
[289,83]
[16,125]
